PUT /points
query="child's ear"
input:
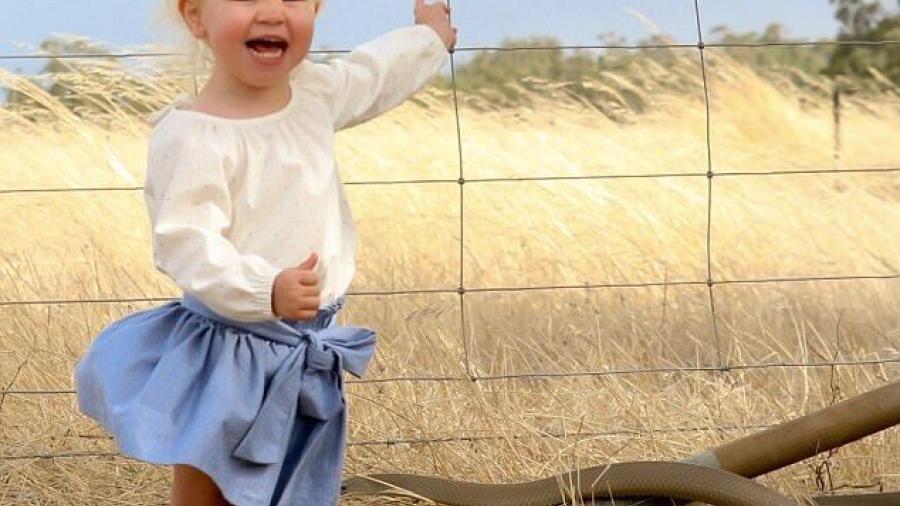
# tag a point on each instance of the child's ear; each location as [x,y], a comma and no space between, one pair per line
[190,12]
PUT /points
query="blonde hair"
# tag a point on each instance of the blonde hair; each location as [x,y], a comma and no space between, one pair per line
[169,24]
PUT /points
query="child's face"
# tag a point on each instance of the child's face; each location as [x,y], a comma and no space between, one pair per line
[235,29]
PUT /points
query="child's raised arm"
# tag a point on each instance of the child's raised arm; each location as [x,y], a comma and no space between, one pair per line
[380,74]
[187,198]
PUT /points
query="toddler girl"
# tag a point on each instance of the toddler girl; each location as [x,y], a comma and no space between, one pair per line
[238,384]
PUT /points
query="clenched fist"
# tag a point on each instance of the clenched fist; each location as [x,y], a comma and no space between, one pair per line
[437,16]
[296,291]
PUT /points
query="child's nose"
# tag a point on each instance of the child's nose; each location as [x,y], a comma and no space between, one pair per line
[270,11]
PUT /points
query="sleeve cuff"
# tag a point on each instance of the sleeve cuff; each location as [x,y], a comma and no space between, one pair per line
[432,38]
[263,293]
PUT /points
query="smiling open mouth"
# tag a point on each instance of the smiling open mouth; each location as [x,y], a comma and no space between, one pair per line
[266,47]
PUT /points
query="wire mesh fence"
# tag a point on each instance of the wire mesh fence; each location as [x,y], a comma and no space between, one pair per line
[721,366]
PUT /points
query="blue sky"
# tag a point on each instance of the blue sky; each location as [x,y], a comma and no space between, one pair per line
[346,23]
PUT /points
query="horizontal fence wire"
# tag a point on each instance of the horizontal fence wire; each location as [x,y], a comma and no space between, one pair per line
[510,289]
[512,179]
[479,49]
[720,367]
[537,433]
[573,374]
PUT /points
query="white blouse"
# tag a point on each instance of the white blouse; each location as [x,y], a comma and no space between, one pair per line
[233,202]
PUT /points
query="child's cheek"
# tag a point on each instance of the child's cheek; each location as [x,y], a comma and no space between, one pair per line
[231,37]
[303,31]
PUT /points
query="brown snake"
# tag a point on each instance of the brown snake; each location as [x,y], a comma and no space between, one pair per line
[677,480]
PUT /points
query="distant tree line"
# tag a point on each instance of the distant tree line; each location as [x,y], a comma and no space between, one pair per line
[860,20]
[503,75]
[89,86]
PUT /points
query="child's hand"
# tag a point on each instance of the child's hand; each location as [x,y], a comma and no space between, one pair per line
[437,16]
[296,291]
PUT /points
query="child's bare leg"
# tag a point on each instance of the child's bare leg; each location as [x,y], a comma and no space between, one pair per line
[192,487]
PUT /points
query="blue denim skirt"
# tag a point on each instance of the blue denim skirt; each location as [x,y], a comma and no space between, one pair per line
[257,406]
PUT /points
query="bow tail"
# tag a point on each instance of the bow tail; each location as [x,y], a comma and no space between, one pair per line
[266,440]
[309,381]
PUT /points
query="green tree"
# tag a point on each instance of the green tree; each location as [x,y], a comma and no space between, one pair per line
[857,17]
[866,20]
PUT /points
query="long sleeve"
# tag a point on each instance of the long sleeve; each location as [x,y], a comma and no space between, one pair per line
[380,74]
[189,203]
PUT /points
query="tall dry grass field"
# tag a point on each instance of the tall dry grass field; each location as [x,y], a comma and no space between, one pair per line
[634,231]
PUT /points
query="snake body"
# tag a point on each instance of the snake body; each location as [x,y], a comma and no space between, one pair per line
[721,476]
[678,480]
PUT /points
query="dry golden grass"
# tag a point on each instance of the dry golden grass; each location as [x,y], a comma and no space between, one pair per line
[95,245]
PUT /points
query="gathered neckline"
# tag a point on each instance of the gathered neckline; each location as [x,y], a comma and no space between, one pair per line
[240,121]
[271,116]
